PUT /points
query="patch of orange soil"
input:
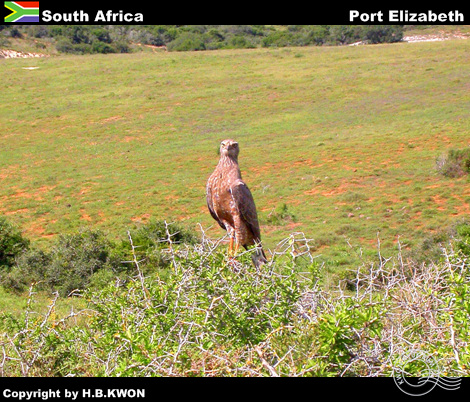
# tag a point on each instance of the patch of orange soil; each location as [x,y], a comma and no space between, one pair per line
[37,195]
[440,202]
[86,217]
[141,218]
[6,172]
[269,167]
[86,190]
[432,186]
[345,185]
[291,226]
[334,191]
[313,191]
[464,208]
[110,119]
[37,229]
[18,211]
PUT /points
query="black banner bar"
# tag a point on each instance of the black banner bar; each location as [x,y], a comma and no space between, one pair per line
[157,389]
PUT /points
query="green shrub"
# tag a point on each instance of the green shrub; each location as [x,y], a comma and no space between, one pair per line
[278,39]
[65,45]
[217,316]
[280,215]
[31,267]
[340,332]
[101,34]
[316,35]
[101,47]
[344,34]
[76,257]
[88,258]
[240,42]
[382,33]
[70,264]
[150,238]
[12,243]
[205,304]
[81,39]
[122,47]
[463,238]
[187,41]
[455,164]
[429,249]
[157,232]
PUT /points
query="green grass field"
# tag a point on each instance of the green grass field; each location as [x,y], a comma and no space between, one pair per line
[346,137]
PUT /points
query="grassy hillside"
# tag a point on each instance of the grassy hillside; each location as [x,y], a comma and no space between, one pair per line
[345,137]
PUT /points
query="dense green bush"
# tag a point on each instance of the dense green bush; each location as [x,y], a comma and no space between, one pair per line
[463,238]
[455,164]
[12,243]
[101,47]
[82,39]
[187,41]
[87,258]
[204,304]
[382,33]
[70,264]
[77,257]
[278,39]
[32,266]
[65,45]
[315,35]
[307,35]
[151,238]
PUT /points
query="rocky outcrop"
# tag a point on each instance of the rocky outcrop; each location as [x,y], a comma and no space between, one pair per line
[10,54]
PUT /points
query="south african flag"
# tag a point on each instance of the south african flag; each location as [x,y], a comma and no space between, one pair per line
[22,11]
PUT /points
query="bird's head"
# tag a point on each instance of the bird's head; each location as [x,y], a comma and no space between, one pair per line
[229,148]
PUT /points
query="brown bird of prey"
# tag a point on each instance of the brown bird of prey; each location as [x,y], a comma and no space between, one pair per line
[231,204]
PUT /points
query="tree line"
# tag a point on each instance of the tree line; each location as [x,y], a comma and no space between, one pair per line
[81,39]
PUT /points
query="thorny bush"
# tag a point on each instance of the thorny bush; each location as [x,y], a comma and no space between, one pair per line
[212,316]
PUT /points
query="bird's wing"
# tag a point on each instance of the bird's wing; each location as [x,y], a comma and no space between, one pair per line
[245,204]
[211,206]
